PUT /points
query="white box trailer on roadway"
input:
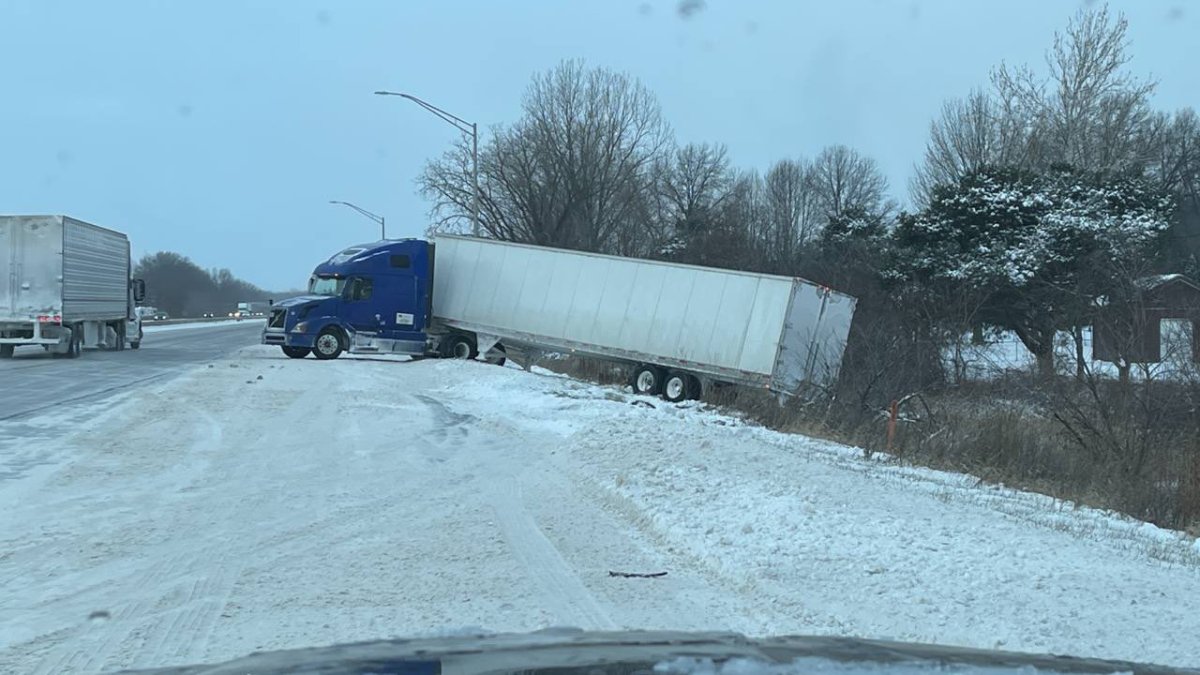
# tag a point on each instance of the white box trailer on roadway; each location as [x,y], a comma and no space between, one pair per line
[682,327]
[66,284]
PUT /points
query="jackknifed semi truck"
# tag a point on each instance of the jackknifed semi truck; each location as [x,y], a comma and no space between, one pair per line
[65,285]
[682,328]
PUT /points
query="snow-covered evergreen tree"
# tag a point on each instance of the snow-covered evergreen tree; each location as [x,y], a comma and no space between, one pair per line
[1038,249]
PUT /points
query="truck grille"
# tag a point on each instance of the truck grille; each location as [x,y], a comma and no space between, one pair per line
[277,318]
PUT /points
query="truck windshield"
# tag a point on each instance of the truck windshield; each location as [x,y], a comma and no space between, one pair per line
[326,286]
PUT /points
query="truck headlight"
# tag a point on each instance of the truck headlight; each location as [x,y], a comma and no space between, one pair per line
[300,327]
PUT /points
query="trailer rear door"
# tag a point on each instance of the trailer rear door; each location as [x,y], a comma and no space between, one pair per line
[30,267]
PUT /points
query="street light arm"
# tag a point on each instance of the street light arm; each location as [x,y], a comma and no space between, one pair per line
[465,127]
[372,216]
[448,117]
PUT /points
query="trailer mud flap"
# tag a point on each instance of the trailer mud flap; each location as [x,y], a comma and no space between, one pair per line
[485,342]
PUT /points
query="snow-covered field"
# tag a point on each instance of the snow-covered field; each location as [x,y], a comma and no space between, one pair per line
[328,502]
[1004,354]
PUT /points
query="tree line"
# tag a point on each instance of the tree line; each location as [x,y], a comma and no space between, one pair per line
[1039,197]
[180,287]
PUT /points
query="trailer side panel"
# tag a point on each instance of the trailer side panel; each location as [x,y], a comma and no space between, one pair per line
[95,272]
[703,319]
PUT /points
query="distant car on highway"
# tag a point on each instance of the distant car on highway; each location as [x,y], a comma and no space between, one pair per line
[208,315]
[162,316]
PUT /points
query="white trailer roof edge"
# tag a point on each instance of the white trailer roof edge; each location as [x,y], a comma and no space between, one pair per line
[94,226]
[756,275]
[62,218]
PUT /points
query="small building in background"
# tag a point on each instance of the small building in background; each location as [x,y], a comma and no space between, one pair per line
[1132,331]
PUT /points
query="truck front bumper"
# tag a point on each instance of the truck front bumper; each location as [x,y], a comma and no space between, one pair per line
[280,338]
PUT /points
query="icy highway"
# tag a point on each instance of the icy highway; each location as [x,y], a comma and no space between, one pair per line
[33,381]
[257,502]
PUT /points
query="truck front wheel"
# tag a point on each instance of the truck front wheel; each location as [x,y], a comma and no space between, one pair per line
[296,352]
[328,344]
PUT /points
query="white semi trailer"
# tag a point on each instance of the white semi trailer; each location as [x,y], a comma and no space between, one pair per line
[65,285]
[682,326]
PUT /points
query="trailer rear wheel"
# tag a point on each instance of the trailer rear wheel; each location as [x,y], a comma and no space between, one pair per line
[647,380]
[6,351]
[296,352]
[676,387]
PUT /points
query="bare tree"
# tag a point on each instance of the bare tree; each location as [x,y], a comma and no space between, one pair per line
[791,215]
[697,183]
[970,134]
[845,180]
[1089,111]
[1173,146]
[574,171]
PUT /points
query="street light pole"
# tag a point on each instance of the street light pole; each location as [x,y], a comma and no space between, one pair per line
[466,128]
[368,214]
[475,179]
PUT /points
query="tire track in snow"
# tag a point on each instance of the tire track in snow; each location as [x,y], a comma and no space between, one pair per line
[105,638]
[91,645]
[174,635]
[562,591]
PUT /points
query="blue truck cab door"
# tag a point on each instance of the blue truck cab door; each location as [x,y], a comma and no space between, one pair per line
[385,300]
[407,267]
[360,308]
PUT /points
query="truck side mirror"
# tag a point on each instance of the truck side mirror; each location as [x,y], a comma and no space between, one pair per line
[139,290]
[270,302]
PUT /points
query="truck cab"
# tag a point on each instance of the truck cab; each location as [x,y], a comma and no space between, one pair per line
[371,298]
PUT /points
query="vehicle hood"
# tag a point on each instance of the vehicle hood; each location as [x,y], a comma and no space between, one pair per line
[302,300]
[569,651]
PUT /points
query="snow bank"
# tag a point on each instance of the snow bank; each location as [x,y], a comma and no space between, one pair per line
[838,544]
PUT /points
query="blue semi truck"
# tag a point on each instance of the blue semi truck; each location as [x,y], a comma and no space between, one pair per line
[680,327]
[369,298]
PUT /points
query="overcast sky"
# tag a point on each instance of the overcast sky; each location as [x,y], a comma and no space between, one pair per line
[221,129]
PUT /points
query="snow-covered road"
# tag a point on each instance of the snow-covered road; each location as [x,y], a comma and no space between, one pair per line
[326,502]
